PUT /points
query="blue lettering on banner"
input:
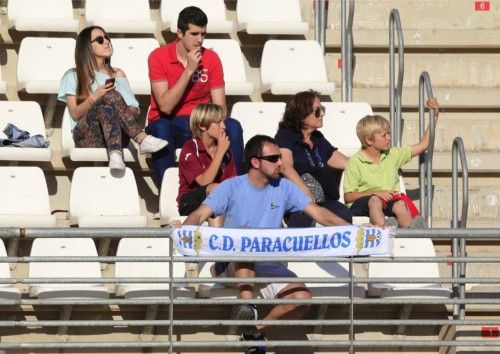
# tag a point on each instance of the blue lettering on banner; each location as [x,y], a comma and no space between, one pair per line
[277,247]
[227,243]
[346,237]
[212,242]
[286,244]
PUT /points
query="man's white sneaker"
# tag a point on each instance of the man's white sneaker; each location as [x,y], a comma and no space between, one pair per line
[151,144]
[116,161]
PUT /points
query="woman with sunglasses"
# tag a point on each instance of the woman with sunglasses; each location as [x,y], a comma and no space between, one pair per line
[100,101]
[309,160]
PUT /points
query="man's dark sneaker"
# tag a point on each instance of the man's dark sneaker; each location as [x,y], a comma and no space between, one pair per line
[259,349]
[245,312]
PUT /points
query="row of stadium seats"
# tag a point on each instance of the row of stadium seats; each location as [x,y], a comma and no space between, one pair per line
[339,127]
[43,61]
[133,16]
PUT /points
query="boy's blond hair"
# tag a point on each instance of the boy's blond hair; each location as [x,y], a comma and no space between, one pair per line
[370,125]
[203,115]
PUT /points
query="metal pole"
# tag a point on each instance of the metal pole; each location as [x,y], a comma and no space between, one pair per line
[395,92]
[344,49]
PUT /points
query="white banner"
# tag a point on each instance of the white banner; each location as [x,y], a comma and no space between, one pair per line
[340,241]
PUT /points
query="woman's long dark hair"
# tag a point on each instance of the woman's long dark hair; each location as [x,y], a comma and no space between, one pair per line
[86,64]
[297,109]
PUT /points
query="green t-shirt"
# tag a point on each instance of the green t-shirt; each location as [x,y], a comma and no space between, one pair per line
[361,175]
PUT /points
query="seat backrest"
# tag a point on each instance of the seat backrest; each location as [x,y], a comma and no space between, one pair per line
[99,10]
[64,247]
[283,14]
[36,9]
[26,115]
[96,192]
[44,60]
[258,117]
[131,55]
[339,124]
[168,194]
[24,191]
[231,57]
[214,9]
[142,247]
[292,60]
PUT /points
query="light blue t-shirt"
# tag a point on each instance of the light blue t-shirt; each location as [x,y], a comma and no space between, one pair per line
[67,87]
[245,205]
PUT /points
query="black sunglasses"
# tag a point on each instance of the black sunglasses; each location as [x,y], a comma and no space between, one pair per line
[317,112]
[100,39]
[270,158]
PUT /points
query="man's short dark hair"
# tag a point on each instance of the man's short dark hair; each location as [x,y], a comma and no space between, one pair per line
[254,147]
[191,15]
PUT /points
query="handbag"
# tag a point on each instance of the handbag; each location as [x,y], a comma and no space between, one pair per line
[314,187]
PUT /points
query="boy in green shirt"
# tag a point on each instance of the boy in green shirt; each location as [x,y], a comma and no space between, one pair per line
[371,179]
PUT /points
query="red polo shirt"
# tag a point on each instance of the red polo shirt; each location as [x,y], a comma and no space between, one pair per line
[194,160]
[164,66]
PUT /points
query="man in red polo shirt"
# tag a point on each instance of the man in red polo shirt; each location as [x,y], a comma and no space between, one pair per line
[184,74]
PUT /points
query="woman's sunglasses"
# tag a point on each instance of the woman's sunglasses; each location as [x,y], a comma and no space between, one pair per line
[100,39]
[270,158]
[319,110]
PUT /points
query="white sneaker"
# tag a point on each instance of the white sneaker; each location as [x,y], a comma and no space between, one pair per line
[116,161]
[151,144]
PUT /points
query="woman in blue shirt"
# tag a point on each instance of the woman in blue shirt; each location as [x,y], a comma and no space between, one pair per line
[305,150]
[101,102]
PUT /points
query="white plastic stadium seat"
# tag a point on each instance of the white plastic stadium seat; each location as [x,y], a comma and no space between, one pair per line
[258,117]
[65,247]
[214,9]
[339,124]
[43,16]
[291,66]
[83,154]
[42,63]
[214,290]
[131,55]
[147,247]
[120,16]
[7,291]
[270,17]
[232,63]
[26,198]
[407,247]
[99,199]
[26,115]
[168,195]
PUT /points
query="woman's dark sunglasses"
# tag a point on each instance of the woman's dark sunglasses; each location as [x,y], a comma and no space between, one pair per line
[317,112]
[270,158]
[100,39]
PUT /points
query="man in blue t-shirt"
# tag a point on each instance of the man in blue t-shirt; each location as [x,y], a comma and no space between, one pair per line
[260,199]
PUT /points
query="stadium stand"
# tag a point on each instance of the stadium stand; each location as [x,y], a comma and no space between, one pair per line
[27,116]
[7,291]
[168,195]
[83,154]
[290,66]
[270,17]
[42,16]
[215,10]
[232,63]
[131,55]
[120,16]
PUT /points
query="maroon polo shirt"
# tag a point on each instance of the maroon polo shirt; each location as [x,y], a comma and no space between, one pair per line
[194,160]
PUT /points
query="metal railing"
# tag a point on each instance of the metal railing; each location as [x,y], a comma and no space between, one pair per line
[396,90]
[347,47]
[425,159]
[350,322]
[459,246]
[320,23]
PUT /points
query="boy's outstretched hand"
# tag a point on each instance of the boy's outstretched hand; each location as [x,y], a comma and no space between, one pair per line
[433,103]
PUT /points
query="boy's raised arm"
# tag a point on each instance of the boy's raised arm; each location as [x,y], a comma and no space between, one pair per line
[423,144]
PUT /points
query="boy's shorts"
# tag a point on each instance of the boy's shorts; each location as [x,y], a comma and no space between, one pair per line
[360,207]
[265,270]
[192,200]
